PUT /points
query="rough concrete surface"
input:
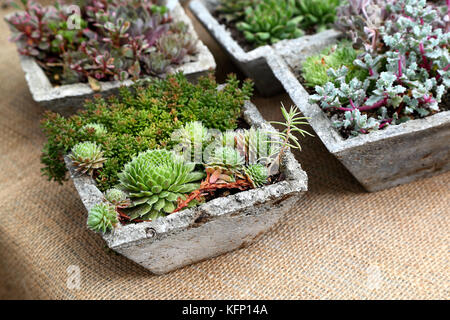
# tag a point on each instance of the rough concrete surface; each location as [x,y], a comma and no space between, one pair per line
[66,99]
[252,63]
[213,228]
[381,159]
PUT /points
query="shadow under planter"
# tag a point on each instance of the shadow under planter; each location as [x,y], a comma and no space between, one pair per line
[381,159]
[253,63]
[66,99]
[213,228]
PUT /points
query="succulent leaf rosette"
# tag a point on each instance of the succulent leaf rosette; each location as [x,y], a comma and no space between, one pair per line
[87,157]
[270,21]
[257,174]
[154,181]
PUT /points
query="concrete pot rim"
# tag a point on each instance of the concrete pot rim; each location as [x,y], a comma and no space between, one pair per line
[45,91]
[132,234]
[203,13]
[322,125]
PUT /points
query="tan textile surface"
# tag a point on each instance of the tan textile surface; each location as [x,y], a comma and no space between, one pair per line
[340,242]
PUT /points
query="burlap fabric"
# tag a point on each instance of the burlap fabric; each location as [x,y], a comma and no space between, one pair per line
[340,242]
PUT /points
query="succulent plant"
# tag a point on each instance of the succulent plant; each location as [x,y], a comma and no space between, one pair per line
[87,157]
[96,128]
[317,14]
[226,157]
[408,74]
[257,174]
[193,136]
[154,181]
[254,145]
[315,68]
[102,217]
[270,21]
[111,40]
[363,19]
[117,197]
[139,118]
[224,164]
[233,10]
[286,138]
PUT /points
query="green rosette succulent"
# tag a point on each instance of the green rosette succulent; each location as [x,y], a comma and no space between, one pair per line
[257,174]
[102,217]
[154,181]
[87,157]
[233,10]
[224,164]
[317,14]
[117,197]
[96,128]
[270,21]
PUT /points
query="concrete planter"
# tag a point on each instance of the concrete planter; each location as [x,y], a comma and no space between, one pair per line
[66,99]
[252,63]
[381,159]
[216,227]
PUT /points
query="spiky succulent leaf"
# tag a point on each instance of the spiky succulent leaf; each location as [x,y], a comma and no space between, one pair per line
[193,137]
[154,180]
[257,174]
[87,157]
[255,145]
[102,217]
[233,10]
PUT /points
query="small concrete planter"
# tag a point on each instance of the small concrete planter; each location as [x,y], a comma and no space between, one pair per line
[253,63]
[381,159]
[66,99]
[216,227]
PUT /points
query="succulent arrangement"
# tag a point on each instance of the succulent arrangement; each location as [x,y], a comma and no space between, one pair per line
[163,146]
[399,71]
[97,40]
[269,21]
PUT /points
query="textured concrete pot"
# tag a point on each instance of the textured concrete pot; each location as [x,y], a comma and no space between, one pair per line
[216,227]
[252,63]
[66,99]
[382,159]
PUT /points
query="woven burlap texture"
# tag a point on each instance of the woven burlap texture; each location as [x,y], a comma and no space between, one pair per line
[339,243]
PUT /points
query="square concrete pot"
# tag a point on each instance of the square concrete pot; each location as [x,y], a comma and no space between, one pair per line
[252,63]
[213,228]
[381,159]
[66,99]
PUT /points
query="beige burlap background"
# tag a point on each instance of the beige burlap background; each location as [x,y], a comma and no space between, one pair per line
[339,243]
